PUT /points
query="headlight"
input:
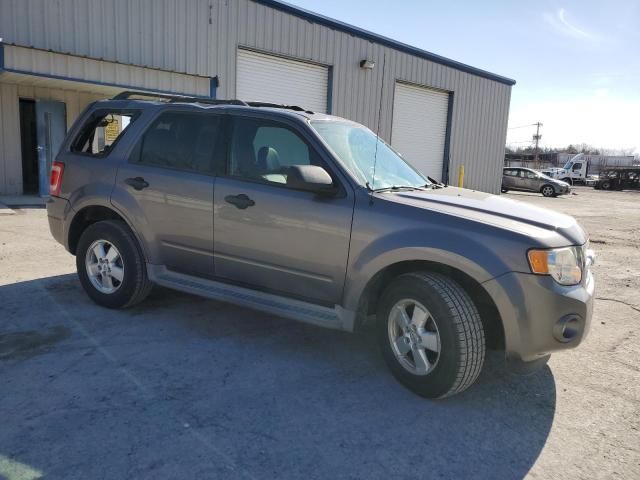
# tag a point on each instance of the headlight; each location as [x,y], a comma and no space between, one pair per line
[563,264]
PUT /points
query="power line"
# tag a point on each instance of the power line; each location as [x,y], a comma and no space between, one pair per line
[523,126]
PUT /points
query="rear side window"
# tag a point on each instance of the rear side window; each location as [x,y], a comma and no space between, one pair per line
[181,141]
[101,132]
[511,173]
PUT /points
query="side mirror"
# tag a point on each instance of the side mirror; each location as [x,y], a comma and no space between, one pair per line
[310,178]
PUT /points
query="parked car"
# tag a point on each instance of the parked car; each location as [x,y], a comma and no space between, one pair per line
[619,179]
[528,180]
[278,209]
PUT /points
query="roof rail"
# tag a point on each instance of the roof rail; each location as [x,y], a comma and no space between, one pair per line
[278,105]
[175,98]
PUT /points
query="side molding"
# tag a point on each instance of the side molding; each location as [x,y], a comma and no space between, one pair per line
[335,318]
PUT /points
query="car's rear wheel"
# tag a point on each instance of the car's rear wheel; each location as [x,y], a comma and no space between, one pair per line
[430,334]
[111,266]
[504,190]
[548,191]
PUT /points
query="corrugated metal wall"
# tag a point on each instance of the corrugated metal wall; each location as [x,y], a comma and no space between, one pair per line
[201,37]
[68,66]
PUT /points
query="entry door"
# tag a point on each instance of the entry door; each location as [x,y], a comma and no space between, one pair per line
[270,236]
[419,127]
[51,128]
[167,186]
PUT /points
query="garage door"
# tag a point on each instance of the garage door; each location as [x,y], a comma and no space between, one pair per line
[420,126]
[266,78]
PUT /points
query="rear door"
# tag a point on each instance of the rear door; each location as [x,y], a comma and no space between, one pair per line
[509,176]
[167,188]
[270,236]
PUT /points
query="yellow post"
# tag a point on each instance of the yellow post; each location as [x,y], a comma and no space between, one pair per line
[461,176]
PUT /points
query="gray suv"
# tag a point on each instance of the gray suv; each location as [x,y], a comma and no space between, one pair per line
[313,217]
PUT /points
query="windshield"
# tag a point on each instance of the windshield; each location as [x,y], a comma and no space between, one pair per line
[355,147]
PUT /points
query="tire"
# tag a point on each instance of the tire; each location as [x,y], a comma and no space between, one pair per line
[451,316]
[504,190]
[606,185]
[134,285]
[548,191]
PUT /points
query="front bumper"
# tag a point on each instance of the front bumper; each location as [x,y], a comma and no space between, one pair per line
[539,315]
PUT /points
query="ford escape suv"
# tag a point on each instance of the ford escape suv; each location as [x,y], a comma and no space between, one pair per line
[313,217]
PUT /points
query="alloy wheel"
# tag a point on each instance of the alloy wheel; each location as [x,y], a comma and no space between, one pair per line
[105,267]
[414,337]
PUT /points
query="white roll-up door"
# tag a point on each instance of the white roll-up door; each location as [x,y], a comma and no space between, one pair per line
[420,127]
[267,78]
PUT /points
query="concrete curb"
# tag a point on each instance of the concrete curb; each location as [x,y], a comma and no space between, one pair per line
[4,210]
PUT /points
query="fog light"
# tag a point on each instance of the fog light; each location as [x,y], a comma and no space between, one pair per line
[568,328]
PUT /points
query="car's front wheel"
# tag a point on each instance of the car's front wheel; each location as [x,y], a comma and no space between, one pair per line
[111,266]
[548,191]
[430,334]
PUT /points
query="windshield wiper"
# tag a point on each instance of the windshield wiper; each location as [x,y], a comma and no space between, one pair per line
[395,188]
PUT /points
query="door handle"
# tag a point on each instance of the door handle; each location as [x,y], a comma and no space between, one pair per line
[138,183]
[241,201]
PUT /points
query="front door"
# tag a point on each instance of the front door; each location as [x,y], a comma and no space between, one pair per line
[576,171]
[51,129]
[169,183]
[270,236]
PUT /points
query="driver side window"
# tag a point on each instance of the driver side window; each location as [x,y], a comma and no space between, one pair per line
[262,150]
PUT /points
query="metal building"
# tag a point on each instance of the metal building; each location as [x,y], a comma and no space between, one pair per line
[57,57]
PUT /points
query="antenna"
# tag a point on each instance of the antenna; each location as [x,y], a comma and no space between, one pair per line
[375,155]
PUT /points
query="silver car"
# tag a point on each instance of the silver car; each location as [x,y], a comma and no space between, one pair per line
[314,218]
[528,180]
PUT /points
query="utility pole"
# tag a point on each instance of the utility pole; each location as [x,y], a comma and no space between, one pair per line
[536,138]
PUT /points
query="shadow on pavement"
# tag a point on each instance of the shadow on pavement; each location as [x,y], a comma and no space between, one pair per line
[183,386]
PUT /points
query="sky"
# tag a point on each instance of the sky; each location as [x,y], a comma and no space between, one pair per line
[576,63]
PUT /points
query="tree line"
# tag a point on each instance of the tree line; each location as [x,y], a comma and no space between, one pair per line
[573,149]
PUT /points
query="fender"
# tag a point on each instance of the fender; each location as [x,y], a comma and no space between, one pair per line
[94,198]
[422,244]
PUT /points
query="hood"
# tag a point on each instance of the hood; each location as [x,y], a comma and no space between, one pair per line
[549,227]
[559,182]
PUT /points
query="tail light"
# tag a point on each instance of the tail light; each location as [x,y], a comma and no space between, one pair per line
[55,180]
